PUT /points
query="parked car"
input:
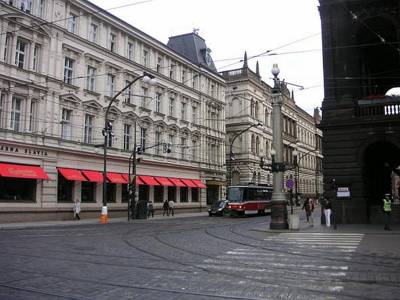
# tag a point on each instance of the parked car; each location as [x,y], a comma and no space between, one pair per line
[218,208]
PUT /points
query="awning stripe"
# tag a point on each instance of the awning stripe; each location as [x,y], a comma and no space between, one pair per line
[164,181]
[93,176]
[116,178]
[199,183]
[189,183]
[177,182]
[72,174]
[149,180]
[138,181]
[22,171]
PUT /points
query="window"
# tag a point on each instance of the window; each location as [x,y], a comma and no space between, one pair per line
[143,134]
[158,194]
[127,136]
[93,33]
[145,93]
[68,70]
[158,142]
[172,193]
[130,50]
[183,110]
[158,102]
[91,78]
[194,114]
[195,195]
[159,64]
[183,148]
[64,189]
[124,193]
[145,58]
[194,150]
[172,72]
[88,191]
[111,192]
[171,106]
[172,142]
[26,5]
[111,85]
[66,125]
[20,53]
[184,194]
[7,48]
[32,116]
[16,108]
[2,107]
[112,42]
[88,134]
[40,8]
[36,58]
[71,27]
[183,76]
[17,190]
[128,92]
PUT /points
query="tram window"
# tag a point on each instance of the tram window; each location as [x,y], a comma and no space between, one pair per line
[235,194]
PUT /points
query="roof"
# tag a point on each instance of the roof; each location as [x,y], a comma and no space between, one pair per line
[193,47]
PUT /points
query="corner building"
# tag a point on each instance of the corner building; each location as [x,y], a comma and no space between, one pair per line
[61,63]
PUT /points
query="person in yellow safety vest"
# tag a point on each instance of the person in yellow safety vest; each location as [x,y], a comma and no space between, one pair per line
[387,210]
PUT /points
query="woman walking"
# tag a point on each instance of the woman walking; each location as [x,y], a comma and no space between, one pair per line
[77,209]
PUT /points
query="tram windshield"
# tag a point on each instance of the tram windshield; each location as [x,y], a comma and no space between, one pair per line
[235,194]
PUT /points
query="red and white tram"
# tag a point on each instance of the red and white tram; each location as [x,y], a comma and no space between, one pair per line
[249,199]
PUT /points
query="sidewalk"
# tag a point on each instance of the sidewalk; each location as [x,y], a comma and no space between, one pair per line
[22,225]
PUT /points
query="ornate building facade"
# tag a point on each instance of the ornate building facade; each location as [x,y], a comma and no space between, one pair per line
[361,123]
[249,134]
[61,63]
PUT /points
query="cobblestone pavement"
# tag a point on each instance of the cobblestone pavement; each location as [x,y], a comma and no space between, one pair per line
[198,258]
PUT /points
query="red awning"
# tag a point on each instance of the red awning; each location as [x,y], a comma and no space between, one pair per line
[164,181]
[93,176]
[22,171]
[189,183]
[149,180]
[72,174]
[116,178]
[126,177]
[198,183]
[177,182]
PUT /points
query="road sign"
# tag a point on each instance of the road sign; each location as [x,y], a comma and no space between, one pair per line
[289,183]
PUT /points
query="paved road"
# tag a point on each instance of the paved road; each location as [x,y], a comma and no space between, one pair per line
[197,258]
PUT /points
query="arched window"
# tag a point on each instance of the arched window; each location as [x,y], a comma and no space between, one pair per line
[235,178]
[253,144]
[257,145]
[266,116]
[252,108]
[257,112]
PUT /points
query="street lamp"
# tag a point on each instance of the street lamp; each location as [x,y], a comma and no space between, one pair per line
[231,148]
[278,200]
[107,132]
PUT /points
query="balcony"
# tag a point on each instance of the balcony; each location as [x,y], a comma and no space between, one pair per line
[376,107]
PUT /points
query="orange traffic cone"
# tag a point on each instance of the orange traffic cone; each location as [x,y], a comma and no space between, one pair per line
[104,215]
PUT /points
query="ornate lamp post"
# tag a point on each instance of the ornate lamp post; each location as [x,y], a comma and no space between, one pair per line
[107,132]
[279,200]
[231,148]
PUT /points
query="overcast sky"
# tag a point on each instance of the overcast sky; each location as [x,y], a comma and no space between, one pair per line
[290,28]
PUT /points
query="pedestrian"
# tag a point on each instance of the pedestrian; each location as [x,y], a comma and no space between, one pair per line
[150,209]
[77,209]
[387,210]
[327,212]
[171,204]
[308,206]
[165,208]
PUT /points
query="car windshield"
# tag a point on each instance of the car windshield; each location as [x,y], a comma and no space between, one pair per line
[220,204]
[235,194]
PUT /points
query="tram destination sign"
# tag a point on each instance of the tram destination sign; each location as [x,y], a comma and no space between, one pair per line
[23,150]
[343,192]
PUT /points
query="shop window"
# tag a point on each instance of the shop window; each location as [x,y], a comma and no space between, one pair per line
[158,194]
[124,193]
[184,194]
[195,195]
[144,192]
[111,192]
[172,193]
[88,191]
[17,190]
[64,189]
